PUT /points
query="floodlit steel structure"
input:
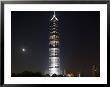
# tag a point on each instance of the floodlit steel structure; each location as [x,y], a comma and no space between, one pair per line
[54,51]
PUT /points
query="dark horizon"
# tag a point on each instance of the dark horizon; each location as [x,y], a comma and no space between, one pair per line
[79,40]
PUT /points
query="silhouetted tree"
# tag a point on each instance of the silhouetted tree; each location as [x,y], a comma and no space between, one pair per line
[54,75]
[47,75]
[13,75]
[60,75]
[39,74]
[27,74]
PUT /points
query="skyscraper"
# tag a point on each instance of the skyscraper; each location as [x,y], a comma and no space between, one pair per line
[54,49]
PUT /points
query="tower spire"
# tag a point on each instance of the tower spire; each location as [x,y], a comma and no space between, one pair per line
[54,14]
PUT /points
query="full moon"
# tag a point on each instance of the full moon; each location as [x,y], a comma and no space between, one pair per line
[23,49]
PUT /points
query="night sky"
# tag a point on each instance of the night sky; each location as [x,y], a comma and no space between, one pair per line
[79,40]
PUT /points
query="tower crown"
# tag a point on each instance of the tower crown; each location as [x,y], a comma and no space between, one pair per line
[54,17]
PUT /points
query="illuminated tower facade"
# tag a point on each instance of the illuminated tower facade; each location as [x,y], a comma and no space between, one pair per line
[54,51]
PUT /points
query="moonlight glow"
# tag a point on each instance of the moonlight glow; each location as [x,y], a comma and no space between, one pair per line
[23,49]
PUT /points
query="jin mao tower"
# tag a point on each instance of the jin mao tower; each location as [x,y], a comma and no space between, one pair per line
[54,49]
